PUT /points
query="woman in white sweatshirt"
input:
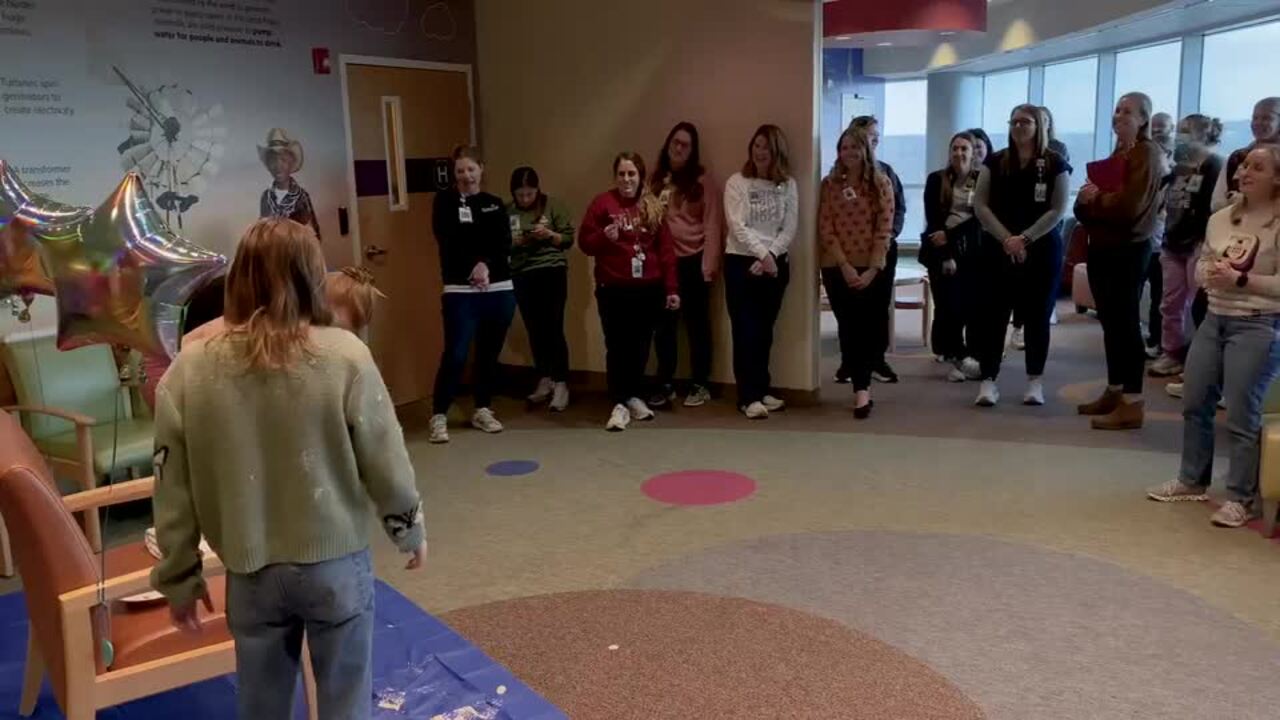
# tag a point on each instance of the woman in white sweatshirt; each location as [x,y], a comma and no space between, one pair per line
[761,205]
[1236,352]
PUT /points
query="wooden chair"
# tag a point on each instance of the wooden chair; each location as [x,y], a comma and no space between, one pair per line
[76,410]
[63,587]
[907,277]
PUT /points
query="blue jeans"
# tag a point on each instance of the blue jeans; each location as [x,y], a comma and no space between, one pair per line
[1234,358]
[267,612]
[482,317]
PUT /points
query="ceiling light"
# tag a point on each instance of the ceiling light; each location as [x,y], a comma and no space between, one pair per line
[947,33]
[844,37]
[886,43]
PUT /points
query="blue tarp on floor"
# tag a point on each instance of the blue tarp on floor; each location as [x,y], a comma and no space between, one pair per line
[418,662]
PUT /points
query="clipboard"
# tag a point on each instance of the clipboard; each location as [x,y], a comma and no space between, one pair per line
[1107,174]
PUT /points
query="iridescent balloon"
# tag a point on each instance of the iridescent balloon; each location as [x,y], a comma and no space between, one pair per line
[22,211]
[121,276]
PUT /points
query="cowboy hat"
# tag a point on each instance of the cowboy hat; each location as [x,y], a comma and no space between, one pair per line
[278,141]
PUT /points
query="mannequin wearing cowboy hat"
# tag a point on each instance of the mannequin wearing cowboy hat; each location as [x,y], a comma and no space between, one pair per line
[285,198]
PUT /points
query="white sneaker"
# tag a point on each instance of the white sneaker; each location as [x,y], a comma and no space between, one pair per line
[1165,366]
[956,375]
[972,368]
[619,419]
[439,430]
[1035,393]
[639,411]
[772,404]
[559,397]
[1053,316]
[988,395]
[1174,390]
[543,391]
[756,411]
[698,396]
[1019,339]
[483,419]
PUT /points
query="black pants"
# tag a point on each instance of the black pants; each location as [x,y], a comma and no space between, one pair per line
[1199,307]
[1116,276]
[857,316]
[482,317]
[695,299]
[884,296]
[1027,290]
[541,295]
[628,316]
[953,305]
[1155,320]
[754,302]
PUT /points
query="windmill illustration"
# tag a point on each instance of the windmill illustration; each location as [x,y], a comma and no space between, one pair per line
[174,144]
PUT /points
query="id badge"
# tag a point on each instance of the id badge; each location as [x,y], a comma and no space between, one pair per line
[849,193]
[637,266]
[464,214]
[1194,183]
[1042,192]
[968,198]
[515,224]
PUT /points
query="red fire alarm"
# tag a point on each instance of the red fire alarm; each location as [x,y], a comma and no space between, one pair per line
[320,61]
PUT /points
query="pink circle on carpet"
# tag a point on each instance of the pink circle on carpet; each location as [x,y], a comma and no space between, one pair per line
[699,487]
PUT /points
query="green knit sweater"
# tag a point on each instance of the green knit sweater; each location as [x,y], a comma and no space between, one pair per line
[276,467]
[529,253]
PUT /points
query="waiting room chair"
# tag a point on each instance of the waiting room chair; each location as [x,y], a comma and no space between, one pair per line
[76,409]
[61,579]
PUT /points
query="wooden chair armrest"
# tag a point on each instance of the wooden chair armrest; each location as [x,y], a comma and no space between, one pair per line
[68,415]
[116,494]
[123,586]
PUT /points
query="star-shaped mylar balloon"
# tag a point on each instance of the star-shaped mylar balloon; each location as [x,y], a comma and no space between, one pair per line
[121,276]
[21,212]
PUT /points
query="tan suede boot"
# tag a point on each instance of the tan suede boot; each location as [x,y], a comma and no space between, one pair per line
[1126,416]
[1104,405]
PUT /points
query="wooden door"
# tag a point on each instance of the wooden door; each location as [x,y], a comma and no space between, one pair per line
[404,123]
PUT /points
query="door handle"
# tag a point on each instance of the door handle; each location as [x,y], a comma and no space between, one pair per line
[374,251]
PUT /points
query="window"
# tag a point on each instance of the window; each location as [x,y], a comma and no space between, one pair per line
[1154,70]
[1001,93]
[1069,92]
[1229,87]
[902,145]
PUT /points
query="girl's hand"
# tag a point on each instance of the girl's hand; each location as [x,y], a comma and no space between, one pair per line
[673,302]
[938,239]
[480,276]
[1088,193]
[850,275]
[949,267]
[542,232]
[768,265]
[611,231]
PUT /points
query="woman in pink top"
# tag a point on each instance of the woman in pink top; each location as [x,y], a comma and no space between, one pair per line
[692,203]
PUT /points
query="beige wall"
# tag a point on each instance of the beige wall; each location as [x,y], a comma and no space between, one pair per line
[566,84]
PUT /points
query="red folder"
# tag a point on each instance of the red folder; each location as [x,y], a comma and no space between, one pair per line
[1107,174]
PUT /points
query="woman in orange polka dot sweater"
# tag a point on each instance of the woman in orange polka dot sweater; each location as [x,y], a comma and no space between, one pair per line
[855,221]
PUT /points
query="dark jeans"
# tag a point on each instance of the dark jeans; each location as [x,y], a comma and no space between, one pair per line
[1155,319]
[480,316]
[1027,290]
[857,314]
[695,300]
[754,302]
[269,610]
[629,316]
[1116,275]
[541,295]
[953,304]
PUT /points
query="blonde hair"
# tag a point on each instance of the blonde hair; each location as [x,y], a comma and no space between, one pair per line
[869,178]
[1240,205]
[275,292]
[651,209]
[351,289]
[1145,107]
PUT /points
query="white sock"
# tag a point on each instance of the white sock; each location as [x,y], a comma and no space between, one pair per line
[1132,397]
[1115,388]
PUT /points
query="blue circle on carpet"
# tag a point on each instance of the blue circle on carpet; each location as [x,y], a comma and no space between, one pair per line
[512,468]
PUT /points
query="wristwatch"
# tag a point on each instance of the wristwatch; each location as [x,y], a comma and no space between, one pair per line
[1242,279]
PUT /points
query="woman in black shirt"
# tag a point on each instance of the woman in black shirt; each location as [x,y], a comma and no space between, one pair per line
[1021,198]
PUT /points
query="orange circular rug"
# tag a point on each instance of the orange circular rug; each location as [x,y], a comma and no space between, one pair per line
[621,654]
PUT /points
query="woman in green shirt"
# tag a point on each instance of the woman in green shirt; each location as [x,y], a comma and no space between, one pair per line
[541,233]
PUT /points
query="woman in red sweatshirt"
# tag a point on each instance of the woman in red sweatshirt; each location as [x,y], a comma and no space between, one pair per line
[635,272]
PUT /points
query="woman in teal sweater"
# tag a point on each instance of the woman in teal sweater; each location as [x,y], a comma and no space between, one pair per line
[272,439]
[541,235]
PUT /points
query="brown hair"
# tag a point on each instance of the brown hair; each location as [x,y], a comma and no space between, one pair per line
[470,152]
[1145,107]
[869,178]
[780,169]
[949,173]
[1040,143]
[275,291]
[1205,129]
[651,210]
[352,290]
